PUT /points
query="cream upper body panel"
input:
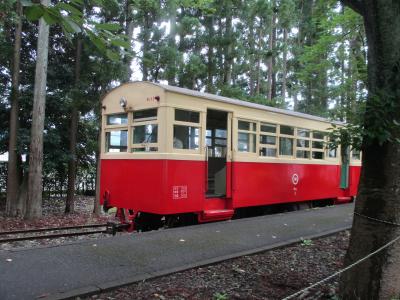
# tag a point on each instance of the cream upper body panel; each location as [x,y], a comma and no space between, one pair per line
[138,95]
[247,112]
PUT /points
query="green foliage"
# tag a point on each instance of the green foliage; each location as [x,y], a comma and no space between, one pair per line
[380,118]
[69,16]
[306,242]
[348,135]
[220,296]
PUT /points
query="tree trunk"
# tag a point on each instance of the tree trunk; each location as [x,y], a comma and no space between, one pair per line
[96,201]
[378,195]
[252,50]
[259,51]
[129,33]
[228,58]
[284,64]
[273,71]
[270,62]
[295,99]
[13,180]
[72,162]
[210,55]
[171,68]
[35,186]
[146,45]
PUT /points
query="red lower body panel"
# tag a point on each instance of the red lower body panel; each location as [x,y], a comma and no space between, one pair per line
[177,186]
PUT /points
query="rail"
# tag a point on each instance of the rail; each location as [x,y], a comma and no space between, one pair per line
[49,236]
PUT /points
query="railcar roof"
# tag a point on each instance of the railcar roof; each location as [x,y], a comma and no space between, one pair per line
[223,99]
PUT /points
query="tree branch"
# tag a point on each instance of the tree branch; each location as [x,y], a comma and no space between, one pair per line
[356,5]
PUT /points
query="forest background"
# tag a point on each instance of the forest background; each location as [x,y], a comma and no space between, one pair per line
[305,55]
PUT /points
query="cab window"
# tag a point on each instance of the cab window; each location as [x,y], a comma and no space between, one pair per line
[145,130]
[186,130]
[116,141]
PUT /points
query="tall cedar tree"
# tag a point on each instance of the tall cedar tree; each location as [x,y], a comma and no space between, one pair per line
[73,133]
[13,206]
[378,195]
[34,199]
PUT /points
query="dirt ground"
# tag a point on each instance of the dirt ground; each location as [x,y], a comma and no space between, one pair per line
[53,216]
[272,274]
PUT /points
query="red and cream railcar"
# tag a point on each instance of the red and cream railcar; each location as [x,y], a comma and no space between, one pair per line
[170,152]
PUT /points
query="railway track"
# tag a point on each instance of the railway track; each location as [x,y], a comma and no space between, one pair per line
[48,233]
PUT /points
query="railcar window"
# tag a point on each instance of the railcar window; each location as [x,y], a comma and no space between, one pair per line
[303,132]
[118,119]
[220,133]
[288,130]
[318,135]
[116,141]
[303,143]
[332,153]
[303,154]
[143,134]
[285,146]
[246,142]
[216,142]
[317,155]
[318,145]
[286,143]
[355,154]
[186,137]
[144,115]
[247,136]
[145,130]
[269,152]
[187,116]
[268,140]
[268,128]
[249,126]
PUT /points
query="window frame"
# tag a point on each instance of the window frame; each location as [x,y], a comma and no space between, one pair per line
[186,124]
[304,138]
[254,132]
[143,122]
[319,150]
[109,131]
[292,137]
[116,125]
[355,159]
[108,128]
[268,146]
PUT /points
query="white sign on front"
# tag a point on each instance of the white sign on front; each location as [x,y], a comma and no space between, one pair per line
[179,192]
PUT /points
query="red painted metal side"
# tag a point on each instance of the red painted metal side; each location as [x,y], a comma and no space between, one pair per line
[177,186]
[354,178]
[261,183]
[156,186]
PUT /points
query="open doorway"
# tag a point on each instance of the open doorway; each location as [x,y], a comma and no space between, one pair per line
[216,141]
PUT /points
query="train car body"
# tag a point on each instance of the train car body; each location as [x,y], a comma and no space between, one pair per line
[168,151]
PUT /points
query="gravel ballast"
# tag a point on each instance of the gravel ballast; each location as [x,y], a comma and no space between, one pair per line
[272,274]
